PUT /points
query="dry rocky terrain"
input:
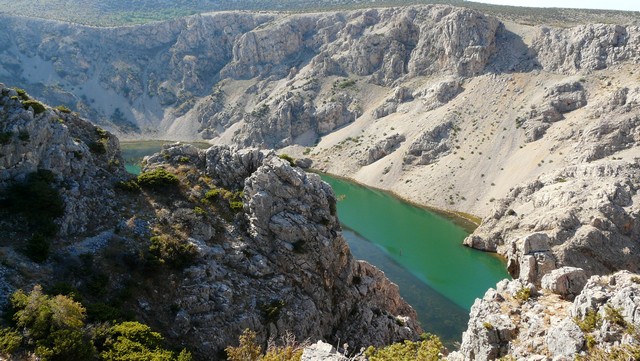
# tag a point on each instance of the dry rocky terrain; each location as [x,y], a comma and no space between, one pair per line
[533,128]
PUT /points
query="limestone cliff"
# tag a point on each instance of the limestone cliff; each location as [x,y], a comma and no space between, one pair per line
[516,321]
[234,240]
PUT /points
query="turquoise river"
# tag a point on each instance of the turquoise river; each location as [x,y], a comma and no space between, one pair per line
[419,250]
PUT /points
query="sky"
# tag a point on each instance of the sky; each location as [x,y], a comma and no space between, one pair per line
[633,5]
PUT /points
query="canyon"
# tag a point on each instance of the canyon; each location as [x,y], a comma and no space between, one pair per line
[531,130]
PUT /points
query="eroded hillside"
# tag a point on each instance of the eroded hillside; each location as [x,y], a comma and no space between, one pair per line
[201,246]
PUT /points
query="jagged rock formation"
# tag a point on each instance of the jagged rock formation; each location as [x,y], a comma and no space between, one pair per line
[290,270]
[584,216]
[241,239]
[536,129]
[509,322]
[84,159]
[173,65]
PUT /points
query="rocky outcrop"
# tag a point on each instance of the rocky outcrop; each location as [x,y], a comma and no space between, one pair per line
[390,105]
[515,320]
[290,271]
[587,47]
[84,159]
[560,99]
[173,65]
[383,148]
[585,216]
[439,94]
[238,239]
[431,145]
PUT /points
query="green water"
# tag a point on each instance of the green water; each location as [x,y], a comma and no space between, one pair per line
[419,250]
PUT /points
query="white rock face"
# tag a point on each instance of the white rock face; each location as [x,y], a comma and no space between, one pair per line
[584,216]
[545,327]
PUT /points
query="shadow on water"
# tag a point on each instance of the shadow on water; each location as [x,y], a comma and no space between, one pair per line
[436,313]
[421,252]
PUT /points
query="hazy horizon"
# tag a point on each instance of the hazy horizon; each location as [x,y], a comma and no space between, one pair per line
[579,4]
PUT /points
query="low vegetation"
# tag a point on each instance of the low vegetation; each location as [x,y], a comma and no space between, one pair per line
[170,250]
[430,348]
[37,107]
[234,199]
[39,204]
[250,350]
[288,158]
[158,178]
[54,328]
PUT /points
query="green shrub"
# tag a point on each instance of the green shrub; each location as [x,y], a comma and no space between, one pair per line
[248,349]
[591,321]
[40,204]
[288,158]
[53,329]
[10,340]
[36,198]
[21,93]
[157,178]
[212,194]
[133,341]
[37,248]
[346,83]
[199,211]
[63,109]
[523,294]
[614,316]
[102,312]
[172,251]
[429,349]
[97,147]
[65,289]
[37,107]
[129,186]
[103,134]
[272,310]
[24,136]
[236,206]
[5,138]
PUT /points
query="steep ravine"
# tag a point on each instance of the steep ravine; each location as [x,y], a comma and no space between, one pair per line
[533,128]
[236,240]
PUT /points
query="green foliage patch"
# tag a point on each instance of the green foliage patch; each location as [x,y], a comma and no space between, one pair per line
[37,107]
[39,203]
[63,109]
[590,322]
[250,350]
[430,348]
[5,137]
[172,251]
[54,329]
[288,158]
[157,179]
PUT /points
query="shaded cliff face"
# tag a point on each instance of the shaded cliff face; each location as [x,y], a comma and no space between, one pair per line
[238,239]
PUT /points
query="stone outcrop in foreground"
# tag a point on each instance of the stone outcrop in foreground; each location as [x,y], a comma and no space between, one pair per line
[517,320]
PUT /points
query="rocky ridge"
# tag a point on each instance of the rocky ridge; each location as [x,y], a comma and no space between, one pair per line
[204,269]
[601,323]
